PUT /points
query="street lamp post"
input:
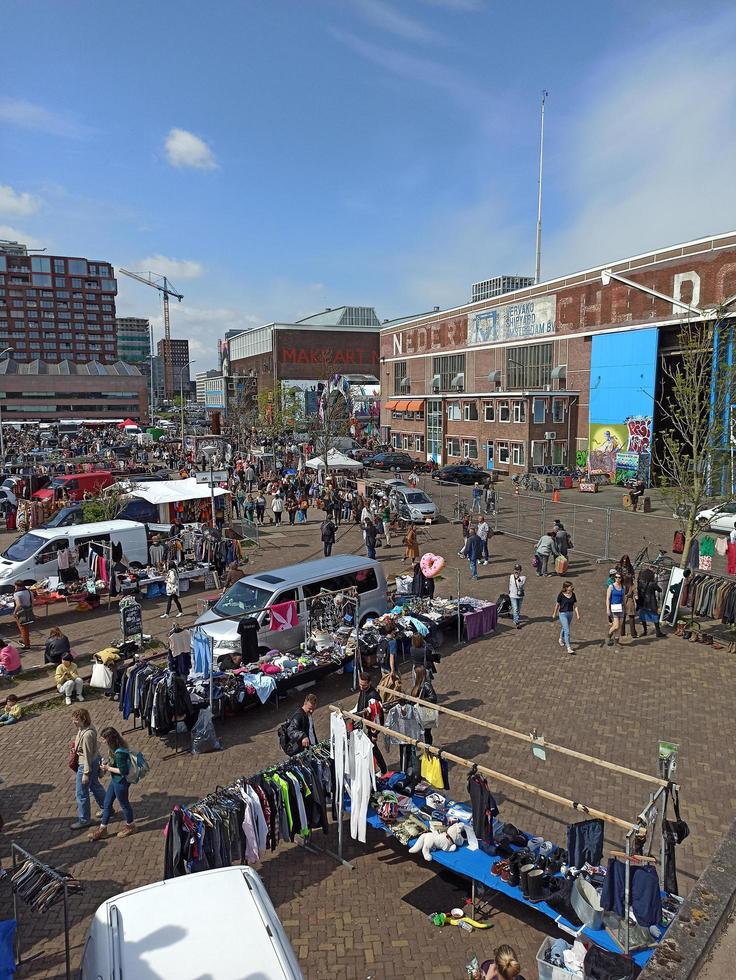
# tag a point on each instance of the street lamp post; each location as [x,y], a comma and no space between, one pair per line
[209,452]
[181,397]
[3,353]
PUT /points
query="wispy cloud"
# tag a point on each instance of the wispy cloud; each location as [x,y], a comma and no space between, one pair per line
[16,235]
[175,269]
[387,18]
[417,69]
[184,149]
[16,203]
[29,115]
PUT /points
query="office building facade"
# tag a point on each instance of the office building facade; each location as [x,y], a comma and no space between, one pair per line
[133,336]
[174,355]
[498,285]
[56,307]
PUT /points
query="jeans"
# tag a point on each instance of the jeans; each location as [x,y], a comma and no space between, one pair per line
[327,548]
[6,719]
[371,548]
[484,545]
[119,792]
[277,516]
[292,516]
[94,786]
[346,510]
[474,567]
[516,608]
[175,600]
[543,562]
[475,505]
[565,623]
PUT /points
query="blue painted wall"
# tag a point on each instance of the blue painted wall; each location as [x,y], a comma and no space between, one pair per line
[623,371]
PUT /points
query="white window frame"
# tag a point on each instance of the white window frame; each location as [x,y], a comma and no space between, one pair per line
[543,444]
[468,407]
[519,411]
[518,454]
[559,453]
[470,448]
[452,446]
[396,440]
[502,450]
[543,403]
[453,412]
[405,442]
[418,444]
[489,411]
[504,402]
[558,417]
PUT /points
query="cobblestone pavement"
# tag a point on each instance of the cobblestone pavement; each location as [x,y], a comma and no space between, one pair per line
[611,702]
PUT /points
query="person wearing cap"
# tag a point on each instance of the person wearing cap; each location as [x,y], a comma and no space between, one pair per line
[517,585]
[68,681]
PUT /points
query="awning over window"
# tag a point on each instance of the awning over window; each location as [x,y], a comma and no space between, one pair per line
[390,404]
[559,373]
[415,406]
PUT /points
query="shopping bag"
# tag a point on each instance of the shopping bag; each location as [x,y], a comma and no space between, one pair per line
[101,677]
[560,564]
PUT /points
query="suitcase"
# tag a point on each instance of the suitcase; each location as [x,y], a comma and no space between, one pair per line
[560,564]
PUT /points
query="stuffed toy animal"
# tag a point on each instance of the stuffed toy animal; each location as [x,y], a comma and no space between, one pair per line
[446,841]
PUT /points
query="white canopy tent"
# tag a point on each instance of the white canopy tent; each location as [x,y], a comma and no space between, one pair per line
[335,460]
[171,491]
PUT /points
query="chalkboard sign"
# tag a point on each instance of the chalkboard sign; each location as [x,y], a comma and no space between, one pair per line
[131,622]
[211,579]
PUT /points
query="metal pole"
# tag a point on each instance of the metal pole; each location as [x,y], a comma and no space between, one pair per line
[538,263]
[607,544]
[627,892]
[212,494]
[2,442]
[459,627]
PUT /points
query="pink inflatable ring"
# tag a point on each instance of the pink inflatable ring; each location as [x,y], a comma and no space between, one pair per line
[431,565]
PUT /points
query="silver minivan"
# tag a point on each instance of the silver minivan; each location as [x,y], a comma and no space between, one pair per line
[294,583]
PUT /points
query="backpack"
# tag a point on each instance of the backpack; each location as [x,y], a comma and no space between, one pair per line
[503,604]
[139,768]
[283,733]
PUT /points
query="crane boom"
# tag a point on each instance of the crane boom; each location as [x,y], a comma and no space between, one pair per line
[164,287]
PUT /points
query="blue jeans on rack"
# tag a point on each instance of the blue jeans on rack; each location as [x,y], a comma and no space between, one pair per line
[94,786]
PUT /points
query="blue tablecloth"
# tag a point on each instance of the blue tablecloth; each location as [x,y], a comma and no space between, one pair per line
[476,866]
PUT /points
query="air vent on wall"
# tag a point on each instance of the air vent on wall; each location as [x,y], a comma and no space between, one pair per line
[550,435]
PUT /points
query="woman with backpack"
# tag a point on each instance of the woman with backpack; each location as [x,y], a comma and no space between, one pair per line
[118,766]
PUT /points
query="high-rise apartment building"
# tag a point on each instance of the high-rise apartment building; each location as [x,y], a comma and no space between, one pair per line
[133,339]
[175,357]
[55,307]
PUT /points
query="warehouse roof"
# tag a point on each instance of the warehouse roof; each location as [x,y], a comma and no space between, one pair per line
[9,365]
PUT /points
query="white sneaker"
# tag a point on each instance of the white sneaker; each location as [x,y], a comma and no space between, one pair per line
[179,614]
[68,700]
[80,697]
[484,562]
[570,650]
[164,616]
[561,642]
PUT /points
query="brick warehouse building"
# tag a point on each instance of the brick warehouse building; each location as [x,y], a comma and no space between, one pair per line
[563,372]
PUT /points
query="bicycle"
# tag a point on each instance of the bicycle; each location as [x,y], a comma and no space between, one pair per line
[460,511]
[661,559]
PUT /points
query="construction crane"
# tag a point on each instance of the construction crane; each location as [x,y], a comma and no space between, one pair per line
[164,287]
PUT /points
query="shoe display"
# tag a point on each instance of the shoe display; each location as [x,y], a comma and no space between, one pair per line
[536,891]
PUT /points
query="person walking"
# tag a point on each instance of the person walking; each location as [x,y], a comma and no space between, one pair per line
[277,506]
[629,576]
[483,533]
[411,548]
[562,538]
[517,587]
[545,549]
[473,551]
[118,766]
[477,495]
[172,591]
[68,681]
[466,531]
[565,607]
[615,608]
[23,613]
[370,534]
[647,601]
[87,752]
[300,731]
[291,508]
[260,507]
[327,532]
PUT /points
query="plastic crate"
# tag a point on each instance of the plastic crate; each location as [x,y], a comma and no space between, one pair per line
[545,970]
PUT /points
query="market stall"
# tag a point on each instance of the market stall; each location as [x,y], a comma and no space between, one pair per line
[620,908]
[335,461]
[179,501]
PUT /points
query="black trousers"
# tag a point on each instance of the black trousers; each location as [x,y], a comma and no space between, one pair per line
[175,600]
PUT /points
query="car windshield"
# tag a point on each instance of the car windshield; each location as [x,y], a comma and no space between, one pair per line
[417,498]
[242,598]
[24,547]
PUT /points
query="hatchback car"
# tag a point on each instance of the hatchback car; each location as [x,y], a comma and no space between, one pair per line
[413,505]
[467,475]
[721,518]
[393,461]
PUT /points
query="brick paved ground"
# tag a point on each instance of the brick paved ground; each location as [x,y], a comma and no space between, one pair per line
[615,703]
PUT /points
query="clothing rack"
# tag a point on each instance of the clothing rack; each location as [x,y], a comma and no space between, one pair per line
[632,827]
[17,851]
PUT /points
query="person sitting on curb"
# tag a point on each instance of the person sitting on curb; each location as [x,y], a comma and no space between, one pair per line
[11,712]
[68,681]
[10,659]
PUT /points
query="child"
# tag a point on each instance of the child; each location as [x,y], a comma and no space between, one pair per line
[11,712]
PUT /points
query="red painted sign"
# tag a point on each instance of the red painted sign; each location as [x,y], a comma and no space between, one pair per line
[309,355]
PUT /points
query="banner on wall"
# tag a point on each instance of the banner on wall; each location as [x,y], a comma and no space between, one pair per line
[514,321]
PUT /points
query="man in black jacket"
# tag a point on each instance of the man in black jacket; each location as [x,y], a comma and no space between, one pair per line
[300,727]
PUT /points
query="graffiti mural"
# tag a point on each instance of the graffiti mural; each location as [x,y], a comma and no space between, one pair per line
[621,451]
[639,434]
[581,458]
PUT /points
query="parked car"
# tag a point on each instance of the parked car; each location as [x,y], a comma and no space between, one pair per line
[720,518]
[393,461]
[413,505]
[395,484]
[467,475]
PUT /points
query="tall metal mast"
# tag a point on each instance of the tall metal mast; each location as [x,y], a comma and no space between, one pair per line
[538,264]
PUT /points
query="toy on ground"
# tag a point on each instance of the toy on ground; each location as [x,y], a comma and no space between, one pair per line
[447,840]
[431,565]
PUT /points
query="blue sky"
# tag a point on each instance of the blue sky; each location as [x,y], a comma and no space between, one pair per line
[278,156]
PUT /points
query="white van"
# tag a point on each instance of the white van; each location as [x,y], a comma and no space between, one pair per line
[218,923]
[32,556]
[294,583]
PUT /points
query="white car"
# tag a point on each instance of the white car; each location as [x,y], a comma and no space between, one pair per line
[413,505]
[721,518]
[396,484]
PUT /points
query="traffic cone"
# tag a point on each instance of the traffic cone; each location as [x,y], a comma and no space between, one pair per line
[555,496]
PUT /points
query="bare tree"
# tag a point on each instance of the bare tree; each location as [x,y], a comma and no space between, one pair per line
[108,505]
[333,419]
[278,411]
[695,428]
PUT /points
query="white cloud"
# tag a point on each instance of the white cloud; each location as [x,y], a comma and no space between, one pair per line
[384,16]
[174,269]
[184,149]
[16,235]
[15,203]
[29,115]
